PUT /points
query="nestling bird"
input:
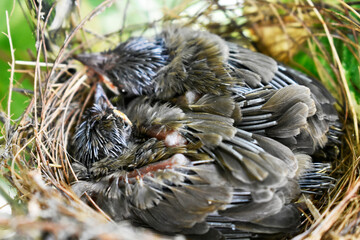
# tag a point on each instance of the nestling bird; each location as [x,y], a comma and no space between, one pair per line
[104,134]
[220,140]
[177,60]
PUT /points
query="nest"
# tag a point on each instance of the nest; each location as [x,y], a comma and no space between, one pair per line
[34,151]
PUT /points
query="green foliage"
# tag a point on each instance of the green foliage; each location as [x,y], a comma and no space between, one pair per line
[23,40]
[349,58]
[351,67]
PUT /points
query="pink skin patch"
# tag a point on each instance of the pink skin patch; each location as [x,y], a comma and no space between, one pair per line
[171,138]
[174,139]
[176,160]
[190,97]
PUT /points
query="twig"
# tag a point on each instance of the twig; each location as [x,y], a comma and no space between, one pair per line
[43,64]
[7,124]
[55,165]
[350,8]
[36,134]
[322,225]
[97,207]
[12,9]
[124,18]
[25,92]
[283,27]
[42,33]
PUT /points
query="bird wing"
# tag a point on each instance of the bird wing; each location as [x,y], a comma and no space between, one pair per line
[170,195]
[197,60]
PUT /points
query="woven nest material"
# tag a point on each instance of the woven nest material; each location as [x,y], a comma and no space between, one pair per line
[34,155]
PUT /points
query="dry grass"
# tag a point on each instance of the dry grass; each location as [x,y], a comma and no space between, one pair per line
[34,155]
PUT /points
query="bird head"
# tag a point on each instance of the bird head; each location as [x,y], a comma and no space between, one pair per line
[103,133]
[130,67]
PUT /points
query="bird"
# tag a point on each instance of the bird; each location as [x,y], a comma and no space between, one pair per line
[214,140]
[176,60]
[95,141]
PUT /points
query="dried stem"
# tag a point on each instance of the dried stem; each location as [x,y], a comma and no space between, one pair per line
[11,85]
[341,70]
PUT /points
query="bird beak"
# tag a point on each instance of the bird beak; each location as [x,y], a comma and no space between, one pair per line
[94,61]
[101,96]
[123,117]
